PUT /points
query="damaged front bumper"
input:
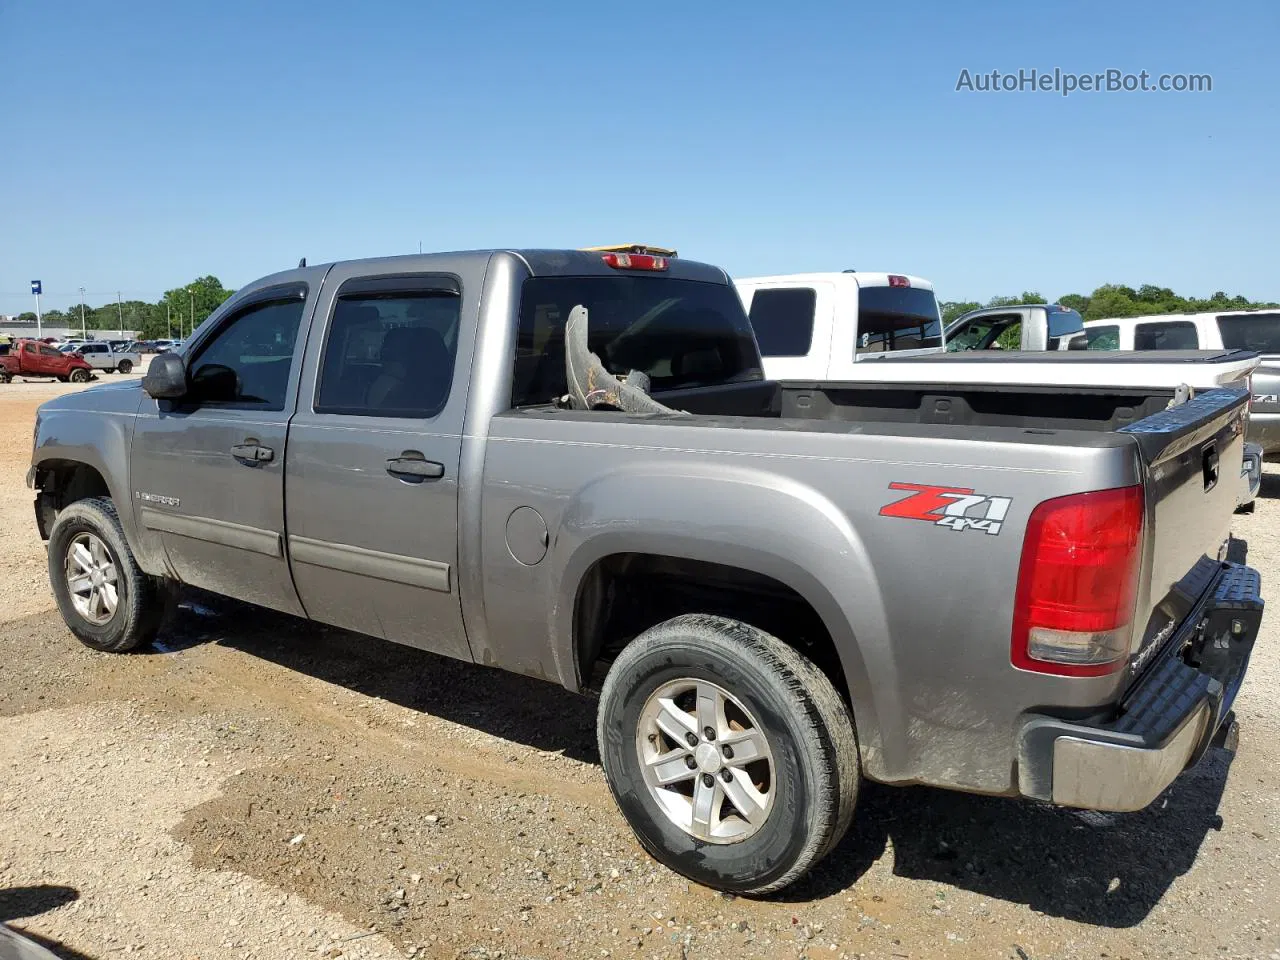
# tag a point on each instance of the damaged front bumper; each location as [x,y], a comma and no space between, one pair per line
[1165,722]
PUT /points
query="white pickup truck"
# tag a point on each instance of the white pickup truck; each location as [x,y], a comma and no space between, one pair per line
[818,326]
[1236,330]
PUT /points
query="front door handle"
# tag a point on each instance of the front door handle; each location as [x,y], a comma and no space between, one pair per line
[415,468]
[252,452]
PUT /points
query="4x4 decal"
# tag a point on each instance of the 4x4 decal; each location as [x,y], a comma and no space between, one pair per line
[956,507]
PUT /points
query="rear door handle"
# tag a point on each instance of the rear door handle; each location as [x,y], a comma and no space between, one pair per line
[252,452]
[415,468]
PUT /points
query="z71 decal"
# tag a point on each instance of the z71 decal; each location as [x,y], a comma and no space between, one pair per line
[956,507]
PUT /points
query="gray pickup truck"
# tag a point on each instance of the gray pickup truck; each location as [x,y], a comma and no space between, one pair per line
[568,464]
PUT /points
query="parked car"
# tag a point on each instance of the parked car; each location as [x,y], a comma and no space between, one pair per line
[1227,330]
[164,346]
[815,326]
[105,356]
[34,358]
[569,465]
[1024,326]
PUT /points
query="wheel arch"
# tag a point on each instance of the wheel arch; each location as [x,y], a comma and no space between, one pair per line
[766,530]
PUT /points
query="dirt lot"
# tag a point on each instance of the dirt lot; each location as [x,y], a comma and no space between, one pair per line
[261,787]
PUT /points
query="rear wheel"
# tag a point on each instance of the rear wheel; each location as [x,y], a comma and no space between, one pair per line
[106,599]
[79,375]
[125,366]
[730,754]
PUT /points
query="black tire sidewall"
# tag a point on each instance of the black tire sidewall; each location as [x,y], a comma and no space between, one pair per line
[87,517]
[769,853]
[125,367]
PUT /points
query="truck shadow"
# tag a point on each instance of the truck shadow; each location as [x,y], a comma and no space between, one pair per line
[1102,869]
[19,902]
[524,710]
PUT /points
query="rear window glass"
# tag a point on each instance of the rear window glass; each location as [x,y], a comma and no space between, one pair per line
[897,318]
[783,321]
[1178,335]
[682,333]
[1252,331]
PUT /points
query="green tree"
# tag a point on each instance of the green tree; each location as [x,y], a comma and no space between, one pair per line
[200,298]
[951,309]
[1075,301]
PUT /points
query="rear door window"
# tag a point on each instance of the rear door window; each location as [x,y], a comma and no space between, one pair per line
[681,333]
[782,319]
[1251,331]
[1173,335]
[390,348]
[897,318]
[1100,338]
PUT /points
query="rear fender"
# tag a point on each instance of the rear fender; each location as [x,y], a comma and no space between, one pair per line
[753,521]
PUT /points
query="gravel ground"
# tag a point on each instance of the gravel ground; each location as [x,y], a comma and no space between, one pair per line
[262,787]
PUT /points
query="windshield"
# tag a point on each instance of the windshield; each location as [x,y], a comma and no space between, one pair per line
[1251,331]
[682,333]
[897,318]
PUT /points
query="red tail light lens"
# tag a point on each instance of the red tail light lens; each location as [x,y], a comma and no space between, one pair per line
[897,281]
[1077,583]
[635,261]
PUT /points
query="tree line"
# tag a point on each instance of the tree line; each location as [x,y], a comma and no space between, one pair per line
[171,317]
[1116,300]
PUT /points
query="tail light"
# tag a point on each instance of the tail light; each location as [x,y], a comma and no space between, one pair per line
[1077,583]
[898,281]
[634,261]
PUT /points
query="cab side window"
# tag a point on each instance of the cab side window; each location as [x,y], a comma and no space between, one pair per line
[390,348]
[783,320]
[1100,338]
[1176,335]
[246,363]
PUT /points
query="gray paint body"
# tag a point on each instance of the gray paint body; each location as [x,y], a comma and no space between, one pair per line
[920,614]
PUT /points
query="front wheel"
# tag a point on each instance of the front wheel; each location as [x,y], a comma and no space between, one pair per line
[125,367]
[79,375]
[730,754]
[106,599]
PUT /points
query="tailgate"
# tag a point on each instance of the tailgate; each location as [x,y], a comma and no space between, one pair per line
[1193,454]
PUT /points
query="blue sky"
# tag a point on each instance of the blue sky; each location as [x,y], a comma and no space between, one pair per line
[146,143]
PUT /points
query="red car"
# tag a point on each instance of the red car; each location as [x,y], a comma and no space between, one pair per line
[31,358]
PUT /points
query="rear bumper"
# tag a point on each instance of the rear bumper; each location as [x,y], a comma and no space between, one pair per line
[1165,722]
[1250,474]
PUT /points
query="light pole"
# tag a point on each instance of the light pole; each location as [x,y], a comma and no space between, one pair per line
[193,310]
[168,319]
[120,313]
[83,335]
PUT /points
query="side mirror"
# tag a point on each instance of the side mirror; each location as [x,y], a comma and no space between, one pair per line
[166,377]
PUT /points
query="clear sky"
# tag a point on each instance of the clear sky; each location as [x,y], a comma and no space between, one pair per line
[145,143]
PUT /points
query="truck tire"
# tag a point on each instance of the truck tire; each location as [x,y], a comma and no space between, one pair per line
[106,599]
[79,375]
[126,367]
[750,821]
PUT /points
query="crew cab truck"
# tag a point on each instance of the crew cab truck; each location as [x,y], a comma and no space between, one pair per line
[569,464]
[32,358]
[109,356]
[817,326]
[1024,326]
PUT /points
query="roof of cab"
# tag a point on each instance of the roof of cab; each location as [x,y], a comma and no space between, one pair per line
[859,277]
[539,262]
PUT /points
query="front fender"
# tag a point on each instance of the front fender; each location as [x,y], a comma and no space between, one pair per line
[100,441]
[751,520]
